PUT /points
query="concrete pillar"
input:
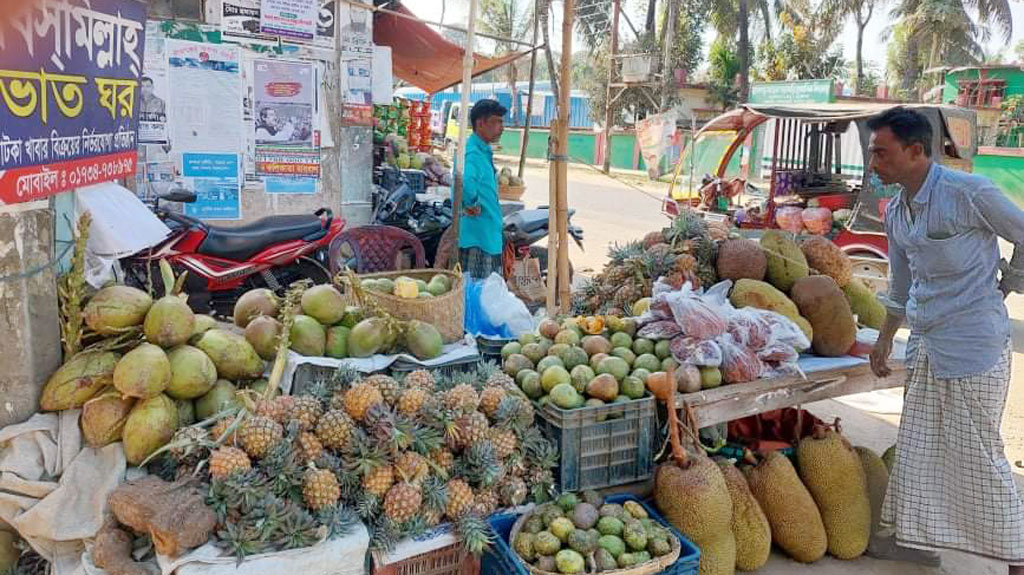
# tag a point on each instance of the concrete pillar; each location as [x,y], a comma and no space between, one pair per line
[356,155]
[29,323]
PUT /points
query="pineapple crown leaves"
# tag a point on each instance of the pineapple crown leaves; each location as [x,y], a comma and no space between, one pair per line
[339,520]
[475,534]
[384,534]
[367,505]
[425,439]
[481,466]
[298,529]
[241,539]
[510,415]
[620,253]
[435,494]
[414,528]
[363,457]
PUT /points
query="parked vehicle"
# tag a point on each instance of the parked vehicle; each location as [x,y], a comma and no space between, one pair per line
[225,262]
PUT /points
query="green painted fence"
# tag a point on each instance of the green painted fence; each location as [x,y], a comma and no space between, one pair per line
[1006,171]
[582,147]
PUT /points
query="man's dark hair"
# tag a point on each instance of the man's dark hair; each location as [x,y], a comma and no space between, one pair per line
[485,109]
[147,79]
[909,127]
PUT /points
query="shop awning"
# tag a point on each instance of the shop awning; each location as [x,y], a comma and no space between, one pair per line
[424,58]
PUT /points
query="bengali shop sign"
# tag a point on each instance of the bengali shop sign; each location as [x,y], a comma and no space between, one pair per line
[69,94]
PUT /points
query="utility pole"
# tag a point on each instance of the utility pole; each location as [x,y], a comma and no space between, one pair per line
[612,62]
[666,59]
[529,101]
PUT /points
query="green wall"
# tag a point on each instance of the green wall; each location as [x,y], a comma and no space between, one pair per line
[582,147]
[1007,172]
[1014,81]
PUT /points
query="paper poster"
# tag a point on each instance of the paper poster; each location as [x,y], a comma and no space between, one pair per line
[284,98]
[214,177]
[295,19]
[206,103]
[380,78]
[69,96]
[356,30]
[326,24]
[290,185]
[240,21]
[153,89]
[357,91]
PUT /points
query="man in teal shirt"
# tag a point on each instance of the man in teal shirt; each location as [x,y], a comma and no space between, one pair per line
[481,239]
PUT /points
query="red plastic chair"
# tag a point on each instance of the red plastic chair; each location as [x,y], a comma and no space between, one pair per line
[374,249]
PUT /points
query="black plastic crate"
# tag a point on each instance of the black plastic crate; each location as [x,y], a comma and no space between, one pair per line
[602,446]
[499,559]
[416,180]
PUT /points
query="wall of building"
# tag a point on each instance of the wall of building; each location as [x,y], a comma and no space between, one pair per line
[1014,78]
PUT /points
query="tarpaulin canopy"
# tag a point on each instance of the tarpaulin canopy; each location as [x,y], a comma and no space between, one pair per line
[424,58]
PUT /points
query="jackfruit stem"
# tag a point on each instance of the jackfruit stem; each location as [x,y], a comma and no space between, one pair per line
[678,454]
[819,431]
[749,457]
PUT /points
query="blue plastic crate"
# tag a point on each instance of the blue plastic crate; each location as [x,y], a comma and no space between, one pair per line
[499,559]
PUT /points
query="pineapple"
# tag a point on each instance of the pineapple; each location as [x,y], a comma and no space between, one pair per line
[486,502]
[389,389]
[228,460]
[460,498]
[443,459]
[220,430]
[462,398]
[360,398]
[402,502]
[432,517]
[335,430]
[259,435]
[412,467]
[310,447]
[273,409]
[379,479]
[513,491]
[490,399]
[652,239]
[307,411]
[420,378]
[320,488]
[412,401]
[472,429]
[504,441]
[190,446]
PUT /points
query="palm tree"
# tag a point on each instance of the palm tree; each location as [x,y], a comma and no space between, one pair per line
[507,19]
[732,19]
[861,12]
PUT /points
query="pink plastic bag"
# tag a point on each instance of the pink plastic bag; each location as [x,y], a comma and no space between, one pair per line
[739,363]
[817,220]
[749,328]
[688,350]
[790,219]
[695,316]
[658,330]
[778,352]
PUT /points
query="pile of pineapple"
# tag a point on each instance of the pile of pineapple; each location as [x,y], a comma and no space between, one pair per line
[684,252]
[402,456]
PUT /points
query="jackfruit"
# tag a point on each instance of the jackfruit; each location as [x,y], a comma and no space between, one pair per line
[741,258]
[878,482]
[696,501]
[786,263]
[749,525]
[826,257]
[796,523]
[821,301]
[832,472]
[763,295]
[869,311]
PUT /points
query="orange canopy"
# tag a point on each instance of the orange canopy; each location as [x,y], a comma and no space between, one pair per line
[424,58]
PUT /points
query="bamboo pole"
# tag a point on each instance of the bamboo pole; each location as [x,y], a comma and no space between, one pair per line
[553,139]
[460,152]
[529,100]
[563,159]
[666,62]
[608,91]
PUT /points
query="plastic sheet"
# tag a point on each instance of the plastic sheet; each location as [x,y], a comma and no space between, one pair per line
[790,219]
[494,311]
[817,220]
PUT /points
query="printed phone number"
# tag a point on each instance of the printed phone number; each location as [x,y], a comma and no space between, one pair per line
[98,172]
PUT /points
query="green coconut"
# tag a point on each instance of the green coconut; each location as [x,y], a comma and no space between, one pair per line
[324,303]
[151,424]
[143,372]
[169,322]
[78,380]
[103,417]
[308,336]
[422,339]
[223,396]
[115,308]
[233,356]
[264,333]
[353,315]
[186,412]
[192,373]
[203,323]
[368,337]
[337,342]
[255,303]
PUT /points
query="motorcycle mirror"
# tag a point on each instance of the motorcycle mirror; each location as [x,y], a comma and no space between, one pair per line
[179,194]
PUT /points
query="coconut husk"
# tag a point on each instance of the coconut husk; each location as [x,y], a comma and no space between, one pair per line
[173,514]
[112,552]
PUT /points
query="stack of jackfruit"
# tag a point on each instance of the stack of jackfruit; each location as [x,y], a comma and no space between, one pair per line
[828,503]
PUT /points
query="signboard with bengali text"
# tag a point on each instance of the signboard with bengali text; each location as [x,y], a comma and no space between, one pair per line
[69,96]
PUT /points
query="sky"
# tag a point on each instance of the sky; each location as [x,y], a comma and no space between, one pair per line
[874,47]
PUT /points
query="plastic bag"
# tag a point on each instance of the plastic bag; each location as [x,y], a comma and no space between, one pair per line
[749,328]
[502,308]
[778,352]
[690,350]
[739,363]
[817,220]
[784,330]
[695,316]
[658,330]
[790,219]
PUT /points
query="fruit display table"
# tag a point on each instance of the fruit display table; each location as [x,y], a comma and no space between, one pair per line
[822,381]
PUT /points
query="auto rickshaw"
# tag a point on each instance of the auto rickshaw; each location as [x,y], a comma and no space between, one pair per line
[813,155]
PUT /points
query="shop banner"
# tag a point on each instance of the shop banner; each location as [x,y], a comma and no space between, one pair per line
[290,18]
[206,103]
[284,98]
[240,21]
[214,177]
[69,79]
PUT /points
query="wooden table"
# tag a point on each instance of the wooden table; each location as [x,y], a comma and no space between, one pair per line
[740,400]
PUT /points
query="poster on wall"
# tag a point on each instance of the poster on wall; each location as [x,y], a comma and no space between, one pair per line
[284,109]
[240,21]
[69,96]
[214,177]
[206,103]
[326,24]
[290,185]
[356,30]
[296,19]
[357,91]
[153,88]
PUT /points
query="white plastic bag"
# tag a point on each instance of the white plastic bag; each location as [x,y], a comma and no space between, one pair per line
[502,307]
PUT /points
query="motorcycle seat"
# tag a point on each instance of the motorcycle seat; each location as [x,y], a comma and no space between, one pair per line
[242,242]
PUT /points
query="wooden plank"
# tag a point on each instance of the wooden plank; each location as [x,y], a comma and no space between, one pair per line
[745,399]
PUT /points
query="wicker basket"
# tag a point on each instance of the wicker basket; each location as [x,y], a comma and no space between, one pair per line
[446,312]
[655,565]
[511,193]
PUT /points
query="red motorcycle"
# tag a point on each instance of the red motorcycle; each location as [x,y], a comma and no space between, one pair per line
[225,262]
